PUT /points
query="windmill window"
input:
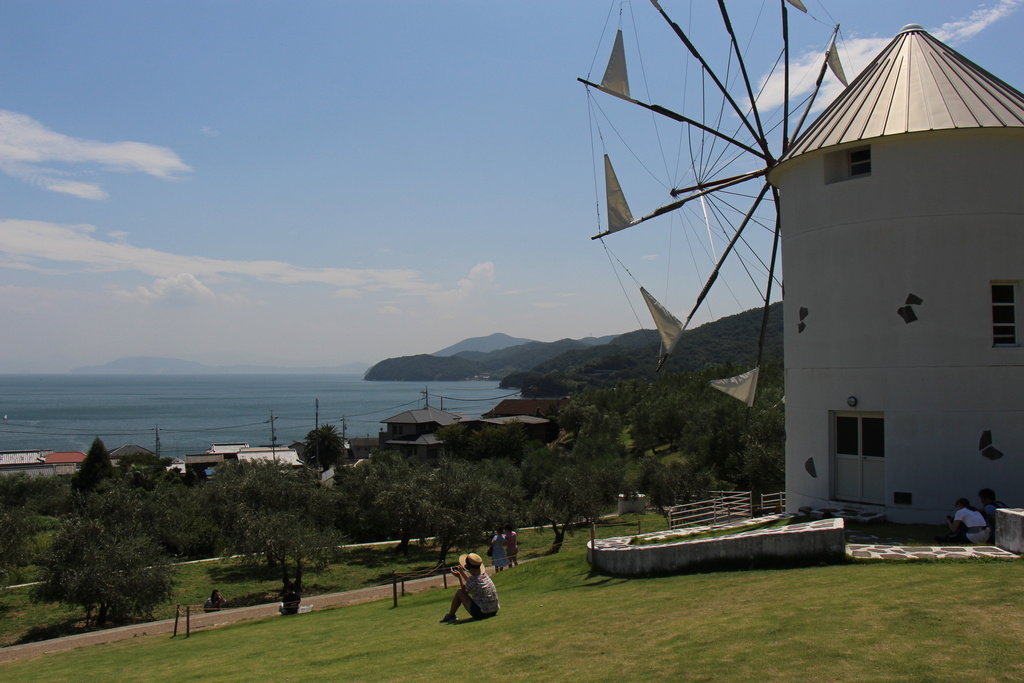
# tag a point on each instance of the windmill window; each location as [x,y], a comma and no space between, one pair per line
[1004,314]
[847,164]
[860,162]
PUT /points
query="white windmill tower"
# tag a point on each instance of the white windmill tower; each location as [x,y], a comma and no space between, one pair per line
[902,214]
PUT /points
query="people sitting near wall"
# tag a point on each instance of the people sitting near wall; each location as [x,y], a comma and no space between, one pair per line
[989,505]
[214,602]
[967,525]
[290,599]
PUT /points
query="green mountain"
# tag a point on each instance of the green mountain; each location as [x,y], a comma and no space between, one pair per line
[561,367]
[423,368]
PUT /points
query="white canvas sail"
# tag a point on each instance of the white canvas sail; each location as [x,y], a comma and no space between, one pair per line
[834,64]
[615,76]
[742,386]
[668,325]
[798,4]
[619,216]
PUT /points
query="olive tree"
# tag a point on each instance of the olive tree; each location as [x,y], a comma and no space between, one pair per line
[284,516]
[104,560]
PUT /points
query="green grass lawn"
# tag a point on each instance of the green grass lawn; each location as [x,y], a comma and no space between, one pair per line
[23,621]
[896,621]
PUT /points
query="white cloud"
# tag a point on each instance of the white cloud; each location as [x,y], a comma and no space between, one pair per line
[50,247]
[390,310]
[481,277]
[209,132]
[182,289]
[549,304]
[964,29]
[25,144]
[856,53]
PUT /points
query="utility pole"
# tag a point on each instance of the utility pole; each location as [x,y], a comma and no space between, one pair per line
[157,430]
[273,436]
[316,433]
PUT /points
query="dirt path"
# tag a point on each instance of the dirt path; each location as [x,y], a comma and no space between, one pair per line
[200,620]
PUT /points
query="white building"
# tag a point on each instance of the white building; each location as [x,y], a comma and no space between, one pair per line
[903,252]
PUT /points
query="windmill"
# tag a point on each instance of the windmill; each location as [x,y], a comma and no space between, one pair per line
[731,145]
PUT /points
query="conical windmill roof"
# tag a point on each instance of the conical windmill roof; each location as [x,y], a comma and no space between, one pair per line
[916,84]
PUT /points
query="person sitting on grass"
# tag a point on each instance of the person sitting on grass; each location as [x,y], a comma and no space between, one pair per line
[290,599]
[989,505]
[215,602]
[967,525]
[477,594]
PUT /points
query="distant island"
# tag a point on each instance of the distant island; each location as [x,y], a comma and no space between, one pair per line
[151,365]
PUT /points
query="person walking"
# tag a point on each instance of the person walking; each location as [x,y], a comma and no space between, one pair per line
[512,546]
[498,554]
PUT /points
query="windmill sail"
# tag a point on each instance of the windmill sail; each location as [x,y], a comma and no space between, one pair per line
[798,4]
[742,386]
[619,216]
[834,64]
[668,325]
[615,77]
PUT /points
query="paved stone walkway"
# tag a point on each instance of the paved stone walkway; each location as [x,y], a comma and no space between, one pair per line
[917,552]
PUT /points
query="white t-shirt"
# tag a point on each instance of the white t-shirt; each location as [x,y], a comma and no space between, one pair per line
[973,518]
[970,517]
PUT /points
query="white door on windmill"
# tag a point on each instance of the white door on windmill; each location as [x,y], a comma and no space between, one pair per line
[859,457]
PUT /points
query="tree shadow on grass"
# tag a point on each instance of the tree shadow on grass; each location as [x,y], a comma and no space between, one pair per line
[387,557]
[242,571]
[59,629]
[253,598]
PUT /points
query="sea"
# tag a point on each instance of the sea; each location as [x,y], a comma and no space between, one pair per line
[188,413]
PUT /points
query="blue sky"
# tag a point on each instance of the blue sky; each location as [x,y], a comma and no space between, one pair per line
[317,183]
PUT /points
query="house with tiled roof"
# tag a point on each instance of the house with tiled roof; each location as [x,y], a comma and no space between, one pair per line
[536,428]
[30,462]
[412,433]
[128,449]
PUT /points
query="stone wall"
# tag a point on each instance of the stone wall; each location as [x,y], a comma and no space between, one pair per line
[812,542]
[1010,530]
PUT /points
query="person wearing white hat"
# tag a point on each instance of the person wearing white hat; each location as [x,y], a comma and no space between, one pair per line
[478,594]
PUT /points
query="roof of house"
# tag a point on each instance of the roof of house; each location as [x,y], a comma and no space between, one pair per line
[415,440]
[283,455]
[227,447]
[65,456]
[423,416]
[363,442]
[128,449]
[22,457]
[525,419]
[917,83]
[527,406]
[203,458]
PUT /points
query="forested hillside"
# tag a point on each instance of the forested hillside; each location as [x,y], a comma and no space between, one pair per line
[562,367]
